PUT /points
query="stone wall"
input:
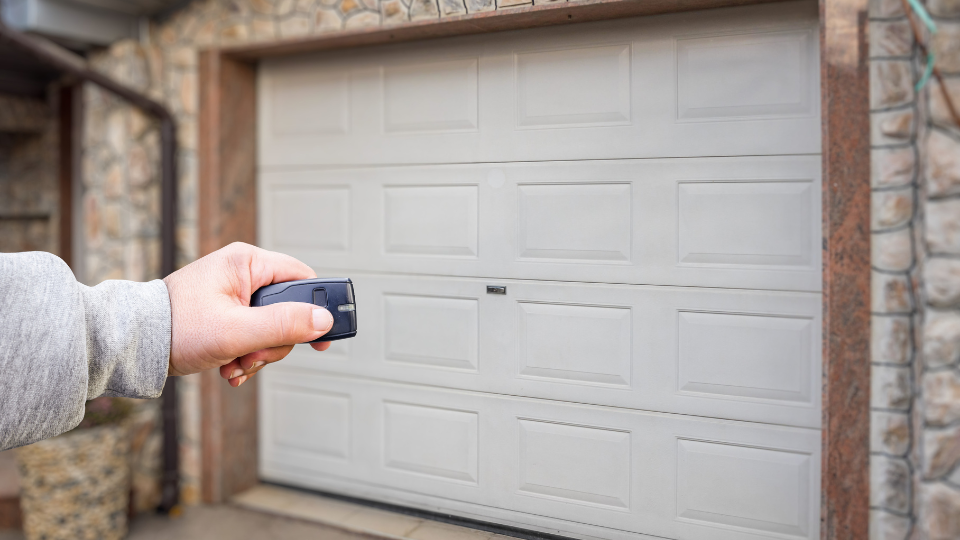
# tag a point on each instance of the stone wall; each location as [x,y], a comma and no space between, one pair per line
[29,189]
[915,176]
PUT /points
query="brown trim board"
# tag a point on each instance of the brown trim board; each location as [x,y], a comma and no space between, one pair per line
[227,202]
[227,212]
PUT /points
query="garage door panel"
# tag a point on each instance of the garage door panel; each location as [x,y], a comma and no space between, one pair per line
[580,466]
[732,82]
[728,222]
[743,355]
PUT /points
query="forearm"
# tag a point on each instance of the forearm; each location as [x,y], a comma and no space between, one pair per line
[62,343]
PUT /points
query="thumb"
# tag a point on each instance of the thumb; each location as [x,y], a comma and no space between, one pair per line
[284,323]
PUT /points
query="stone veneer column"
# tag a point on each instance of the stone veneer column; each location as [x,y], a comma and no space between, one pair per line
[915,175]
[893,139]
[938,505]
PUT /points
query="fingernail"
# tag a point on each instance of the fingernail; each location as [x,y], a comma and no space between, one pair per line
[241,380]
[235,373]
[322,320]
[257,364]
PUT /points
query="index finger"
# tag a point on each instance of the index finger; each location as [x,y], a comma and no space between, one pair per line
[269,267]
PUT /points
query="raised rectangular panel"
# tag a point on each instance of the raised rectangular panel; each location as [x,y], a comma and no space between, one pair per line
[746,356]
[746,223]
[577,464]
[746,76]
[310,217]
[575,222]
[574,87]
[310,420]
[311,105]
[577,344]
[432,331]
[431,220]
[432,441]
[433,97]
[742,487]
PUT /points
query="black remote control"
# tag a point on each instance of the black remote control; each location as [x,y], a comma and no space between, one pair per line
[335,294]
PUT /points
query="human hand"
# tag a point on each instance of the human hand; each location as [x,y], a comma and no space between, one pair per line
[213,325]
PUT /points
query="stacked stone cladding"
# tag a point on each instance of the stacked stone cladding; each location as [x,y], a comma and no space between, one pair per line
[915,220]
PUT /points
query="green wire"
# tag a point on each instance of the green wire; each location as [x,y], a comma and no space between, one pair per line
[932,27]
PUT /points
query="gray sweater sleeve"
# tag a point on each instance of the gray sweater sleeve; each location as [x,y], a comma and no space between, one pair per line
[62,343]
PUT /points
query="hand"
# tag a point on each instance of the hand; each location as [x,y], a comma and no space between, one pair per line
[213,325]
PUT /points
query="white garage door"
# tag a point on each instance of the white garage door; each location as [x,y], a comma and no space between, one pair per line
[648,193]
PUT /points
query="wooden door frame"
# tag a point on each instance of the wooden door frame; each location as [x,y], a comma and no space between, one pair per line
[227,198]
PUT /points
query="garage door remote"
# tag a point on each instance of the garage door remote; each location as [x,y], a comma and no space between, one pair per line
[335,294]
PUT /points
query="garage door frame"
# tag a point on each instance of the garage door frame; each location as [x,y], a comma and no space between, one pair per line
[227,208]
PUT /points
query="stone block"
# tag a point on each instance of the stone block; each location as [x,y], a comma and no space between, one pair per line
[885,8]
[298,25]
[363,19]
[890,388]
[306,6]
[892,251]
[939,112]
[263,29]
[941,397]
[891,39]
[233,32]
[116,126]
[890,209]
[476,6]
[943,226]
[424,9]
[892,166]
[891,83]
[941,339]
[91,220]
[942,282]
[939,517]
[890,484]
[111,220]
[282,8]
[393,12]
[513,3]
[941,452]
[892,127]
[327,20]
[890,293]
[264,7]
[182,57]
[451,8]
[891,339]
[944,8]
[349,6]
[943,164]
[113,182]
[887,526]
[946,46]
[187,94]
[889,433]
[206,33]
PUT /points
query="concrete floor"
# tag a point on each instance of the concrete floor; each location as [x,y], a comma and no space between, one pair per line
[224,522]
